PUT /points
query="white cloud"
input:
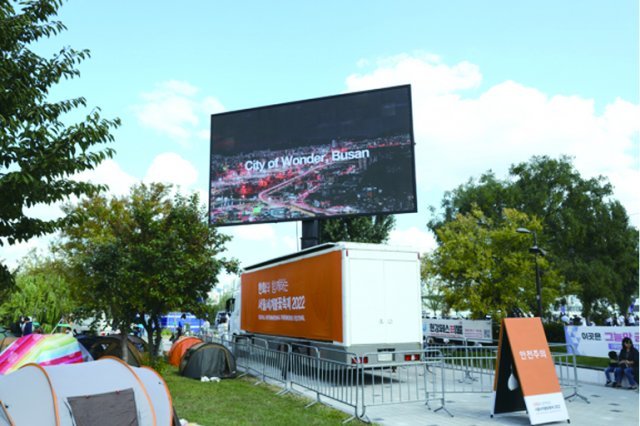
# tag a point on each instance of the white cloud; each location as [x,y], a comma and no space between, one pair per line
[212,105]
[173,110]
[167,168]
[413,237]
[111,174]
[107,173]
[171,168]
[179,87]
[260,232]
[256,243]
[203,134]
[426,72]
[458,137]
[11,255]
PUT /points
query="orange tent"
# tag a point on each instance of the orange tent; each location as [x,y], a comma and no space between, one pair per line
[179,348]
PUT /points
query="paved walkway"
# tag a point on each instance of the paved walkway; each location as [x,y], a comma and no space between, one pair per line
[610,407]
[606,407]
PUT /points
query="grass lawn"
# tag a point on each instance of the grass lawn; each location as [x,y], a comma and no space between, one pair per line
[241,402]
[584,361]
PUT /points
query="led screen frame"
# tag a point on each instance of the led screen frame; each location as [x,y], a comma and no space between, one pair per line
[335,156]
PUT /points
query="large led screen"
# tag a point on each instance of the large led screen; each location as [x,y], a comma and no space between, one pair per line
[337,156]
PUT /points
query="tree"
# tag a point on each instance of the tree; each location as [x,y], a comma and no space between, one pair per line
[588,232]
[486,266]
[363,229]
[39,152]
[432,291]
[141,256]
[41,292]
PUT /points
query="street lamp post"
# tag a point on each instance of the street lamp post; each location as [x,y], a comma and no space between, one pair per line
[536,251]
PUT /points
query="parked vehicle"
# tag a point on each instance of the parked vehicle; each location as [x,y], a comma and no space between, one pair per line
[356,302]
[192,323]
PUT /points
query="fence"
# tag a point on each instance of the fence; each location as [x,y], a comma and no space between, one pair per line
[567,371]
[468,369]
[440,370]
[414,380]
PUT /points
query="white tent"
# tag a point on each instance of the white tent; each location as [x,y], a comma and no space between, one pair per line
[103,392]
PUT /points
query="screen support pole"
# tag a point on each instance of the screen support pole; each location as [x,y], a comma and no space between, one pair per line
[310,233]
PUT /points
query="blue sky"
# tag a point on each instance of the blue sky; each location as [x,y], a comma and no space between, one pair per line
[493,83]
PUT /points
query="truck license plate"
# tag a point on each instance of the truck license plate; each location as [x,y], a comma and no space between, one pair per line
[385,357]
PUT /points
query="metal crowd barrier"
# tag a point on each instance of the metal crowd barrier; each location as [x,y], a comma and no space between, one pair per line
[467,369]
[402,382]
[298,366]
[326,378]
[567,371]
[441,370]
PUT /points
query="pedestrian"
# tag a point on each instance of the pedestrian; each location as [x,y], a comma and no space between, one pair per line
[23,319]
[627,364]
[206,327]
[27,328]
[613,364]
[180,328]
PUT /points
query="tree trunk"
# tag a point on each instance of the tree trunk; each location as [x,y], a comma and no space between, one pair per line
[154,336]
[148,327]
[158,338]
[124,337]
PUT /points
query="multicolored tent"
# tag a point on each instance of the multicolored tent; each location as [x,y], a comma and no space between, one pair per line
[43,349]
[104,392]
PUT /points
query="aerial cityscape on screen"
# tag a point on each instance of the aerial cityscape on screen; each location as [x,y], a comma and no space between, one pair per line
[296,161]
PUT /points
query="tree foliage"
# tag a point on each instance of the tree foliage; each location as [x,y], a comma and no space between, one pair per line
[39,150]
[144,255]
[432,290]
[486,265]
[363,229]
[584,228]
[41,292]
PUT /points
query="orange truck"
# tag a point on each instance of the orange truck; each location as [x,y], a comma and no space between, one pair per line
[355,302]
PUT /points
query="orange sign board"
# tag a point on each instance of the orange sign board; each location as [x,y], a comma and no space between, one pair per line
[525,373]
[301,299]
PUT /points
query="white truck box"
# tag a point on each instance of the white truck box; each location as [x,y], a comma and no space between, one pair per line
[350,298]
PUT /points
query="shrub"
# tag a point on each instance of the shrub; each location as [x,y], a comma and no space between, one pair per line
[554,332]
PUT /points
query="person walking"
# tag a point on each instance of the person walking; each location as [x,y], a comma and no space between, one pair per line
[180,328]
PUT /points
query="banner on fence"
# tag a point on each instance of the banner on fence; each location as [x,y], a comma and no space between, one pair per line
[598,341]
[454,329]
[525,374]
